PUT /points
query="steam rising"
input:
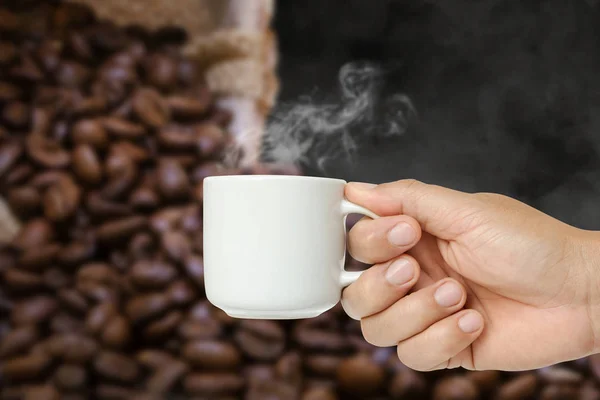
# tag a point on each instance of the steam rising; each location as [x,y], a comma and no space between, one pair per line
[309,131]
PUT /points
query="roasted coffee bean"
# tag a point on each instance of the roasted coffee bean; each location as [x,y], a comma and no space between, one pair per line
[97,272]
[120,184]
[55,278]
[18,340]
[131,151]
[289,368]
[319,394]
[33,310]
[486,381]
[141,246]
[47,153]
[255,373]
[115,392]
[123,129]
[116,366]
[161,71]
[166,219]
[150,108]
[42,392]
[210,139]
[359,374]
[61,200]
[8,53]
[90,132]
[202,329]
[594,365]
[118,230]
[64,322]
[176,245]
[76,253]
[26,70]
[99,316]
[35,233]
[9,154]
[101,207]
[117,332]
[144,198]
[407,384]
[143,307]
[37,259]
[79,45]
[48,55]
[89,106]
[72,299]
[72,74]
[559,392]
[97,292]
[18,174]
[166,376]
[177,138]
[70,377]
[589,391]
[272,390]
[163,326]
[153,359]
[42,120]
[455,388]
[16,115]
[187,107]
[72,347]
[212,354]
[194,268]
[181,293]
[173,182]
[212,384]
[261,340]
[24,201]
[152,273]
[320,340]
[560,375]
[25,367]
[520,387]
[86,164]
[323,364]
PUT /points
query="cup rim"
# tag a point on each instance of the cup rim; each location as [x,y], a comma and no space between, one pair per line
[272,177]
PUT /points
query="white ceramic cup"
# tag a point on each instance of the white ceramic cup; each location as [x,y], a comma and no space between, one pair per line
[274,246]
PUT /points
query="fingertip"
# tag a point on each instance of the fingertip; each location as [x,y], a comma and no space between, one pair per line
[360,186]
[471,322]
[404,271]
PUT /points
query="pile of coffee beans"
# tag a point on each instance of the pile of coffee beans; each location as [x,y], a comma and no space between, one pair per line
[106,135]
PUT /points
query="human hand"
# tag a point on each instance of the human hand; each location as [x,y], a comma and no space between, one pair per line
[479,281]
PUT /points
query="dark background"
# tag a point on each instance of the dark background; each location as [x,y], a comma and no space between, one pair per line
[507,92]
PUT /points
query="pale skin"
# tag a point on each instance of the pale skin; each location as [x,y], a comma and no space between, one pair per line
[479,281]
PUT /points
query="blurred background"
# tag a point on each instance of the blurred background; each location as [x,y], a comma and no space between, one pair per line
[506,93]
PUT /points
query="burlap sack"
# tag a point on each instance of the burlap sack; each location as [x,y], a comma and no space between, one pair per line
[231,40]
[233,44]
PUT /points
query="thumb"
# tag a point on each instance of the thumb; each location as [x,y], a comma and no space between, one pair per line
[443,212]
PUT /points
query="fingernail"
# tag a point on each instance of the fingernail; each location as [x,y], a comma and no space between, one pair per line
[400,272]
[401,235]
[448,295]
[470,322]
[362,185]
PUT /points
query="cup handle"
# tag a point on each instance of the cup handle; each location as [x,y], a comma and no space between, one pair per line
[348,277]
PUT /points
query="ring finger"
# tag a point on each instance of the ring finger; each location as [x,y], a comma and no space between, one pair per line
[414,313]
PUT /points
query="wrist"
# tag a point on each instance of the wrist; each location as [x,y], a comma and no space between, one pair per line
[586,252]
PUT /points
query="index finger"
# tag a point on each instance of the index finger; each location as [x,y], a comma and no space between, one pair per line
[443,212]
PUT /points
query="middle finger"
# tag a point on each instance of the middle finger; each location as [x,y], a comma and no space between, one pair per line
[414,313]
